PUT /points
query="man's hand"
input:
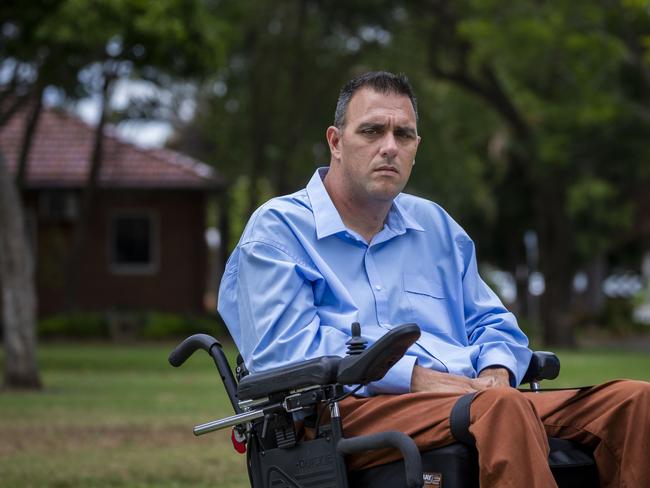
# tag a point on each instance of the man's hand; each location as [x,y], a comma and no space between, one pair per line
[501,376]
[424,379]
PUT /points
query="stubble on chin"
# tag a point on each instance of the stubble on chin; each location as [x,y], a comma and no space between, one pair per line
[383,191]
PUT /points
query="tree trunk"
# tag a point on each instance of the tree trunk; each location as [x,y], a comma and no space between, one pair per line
[596,273]
[555,265]
[31,123]
[18,292]
[282,183]
[80,231]
[224,228]
[259,140]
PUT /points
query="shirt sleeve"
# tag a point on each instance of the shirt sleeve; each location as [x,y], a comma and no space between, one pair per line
[267,300]
[488,322]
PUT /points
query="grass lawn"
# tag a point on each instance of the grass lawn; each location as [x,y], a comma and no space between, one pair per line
[114,416]
[117,416]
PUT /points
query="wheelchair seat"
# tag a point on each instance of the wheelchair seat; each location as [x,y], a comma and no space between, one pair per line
[456,466]
[266,403]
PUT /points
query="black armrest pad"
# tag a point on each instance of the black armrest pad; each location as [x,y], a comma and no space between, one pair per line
[318,371]
[543,366]
[371,365]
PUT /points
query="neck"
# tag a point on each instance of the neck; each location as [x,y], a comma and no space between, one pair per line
[364,217]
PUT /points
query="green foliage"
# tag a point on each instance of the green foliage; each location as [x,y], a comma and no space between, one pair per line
[78,325]
[127,325]
[598,214]
[238,208]
[72,45]
[533,115]
[617,318]
[157,325]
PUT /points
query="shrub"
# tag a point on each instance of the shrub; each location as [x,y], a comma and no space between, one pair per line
[127,325]
[74,325]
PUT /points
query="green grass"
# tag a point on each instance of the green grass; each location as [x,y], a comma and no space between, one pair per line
[115,417]
[120,416]
[588,367]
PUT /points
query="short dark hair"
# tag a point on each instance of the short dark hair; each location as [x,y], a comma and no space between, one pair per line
[379,81]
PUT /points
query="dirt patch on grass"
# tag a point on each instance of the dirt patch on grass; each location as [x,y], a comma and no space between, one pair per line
[48,438]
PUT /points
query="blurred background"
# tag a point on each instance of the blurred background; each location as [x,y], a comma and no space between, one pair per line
[136,137]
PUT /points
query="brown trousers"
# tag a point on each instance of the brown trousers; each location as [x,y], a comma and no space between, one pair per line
[511,428]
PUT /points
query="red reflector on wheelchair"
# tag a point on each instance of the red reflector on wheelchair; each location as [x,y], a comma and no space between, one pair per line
[237,443]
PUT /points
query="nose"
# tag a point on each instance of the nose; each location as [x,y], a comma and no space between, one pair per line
[388,146]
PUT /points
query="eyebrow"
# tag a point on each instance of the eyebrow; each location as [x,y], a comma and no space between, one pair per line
[406,130]
[370,125]
[379,126]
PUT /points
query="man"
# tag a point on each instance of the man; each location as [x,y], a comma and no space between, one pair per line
[352,247]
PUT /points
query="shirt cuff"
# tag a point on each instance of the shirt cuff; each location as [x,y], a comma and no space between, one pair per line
[397,380]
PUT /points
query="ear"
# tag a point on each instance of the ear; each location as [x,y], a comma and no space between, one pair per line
[333,136]
[417,143]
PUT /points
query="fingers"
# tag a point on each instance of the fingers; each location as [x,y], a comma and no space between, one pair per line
[437,382]
[484,382]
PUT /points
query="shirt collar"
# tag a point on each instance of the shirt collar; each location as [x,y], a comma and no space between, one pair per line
[406,220]
[329,222]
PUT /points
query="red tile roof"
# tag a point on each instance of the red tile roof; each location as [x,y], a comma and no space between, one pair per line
[62,148]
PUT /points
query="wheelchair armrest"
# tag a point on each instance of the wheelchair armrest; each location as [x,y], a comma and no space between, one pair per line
[317,371]
[543,365]
[360,369]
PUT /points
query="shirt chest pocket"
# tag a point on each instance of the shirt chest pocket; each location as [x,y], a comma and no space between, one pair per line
[418,284]
[427,302]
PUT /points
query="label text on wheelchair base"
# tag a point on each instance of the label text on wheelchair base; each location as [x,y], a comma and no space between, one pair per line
[314,462]
[432,479]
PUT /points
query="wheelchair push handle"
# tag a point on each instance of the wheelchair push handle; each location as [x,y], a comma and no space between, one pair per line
[193,343]
[213,347]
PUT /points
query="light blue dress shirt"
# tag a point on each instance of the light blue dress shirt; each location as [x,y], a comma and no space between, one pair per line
[299,278]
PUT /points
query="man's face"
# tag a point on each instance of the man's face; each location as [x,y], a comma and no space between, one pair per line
[376,148]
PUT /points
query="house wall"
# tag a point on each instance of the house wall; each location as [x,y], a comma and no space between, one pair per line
[177,284]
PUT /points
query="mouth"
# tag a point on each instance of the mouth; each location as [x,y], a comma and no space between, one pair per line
[386,168]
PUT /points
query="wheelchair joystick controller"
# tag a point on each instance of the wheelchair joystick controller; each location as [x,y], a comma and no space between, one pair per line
[356,344]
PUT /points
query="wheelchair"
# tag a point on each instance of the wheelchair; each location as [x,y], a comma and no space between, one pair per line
[270,406]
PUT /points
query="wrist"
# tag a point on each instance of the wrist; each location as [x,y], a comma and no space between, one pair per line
[501,374]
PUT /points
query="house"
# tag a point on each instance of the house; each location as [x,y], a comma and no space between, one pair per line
[145,245]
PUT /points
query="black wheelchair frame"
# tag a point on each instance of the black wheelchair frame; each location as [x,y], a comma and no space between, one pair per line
[268,404]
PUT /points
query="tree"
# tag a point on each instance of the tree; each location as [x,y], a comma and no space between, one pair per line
[21,61]
[261,116]
[523,108]
[57,43]
[18,294]
[551,72]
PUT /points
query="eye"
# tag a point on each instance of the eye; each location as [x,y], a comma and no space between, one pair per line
[403,134]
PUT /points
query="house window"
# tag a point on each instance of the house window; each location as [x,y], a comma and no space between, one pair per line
[133,243]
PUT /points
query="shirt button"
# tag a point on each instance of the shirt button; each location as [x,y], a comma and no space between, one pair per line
[378,287]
